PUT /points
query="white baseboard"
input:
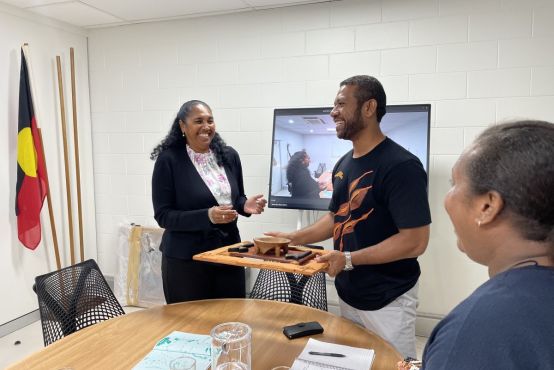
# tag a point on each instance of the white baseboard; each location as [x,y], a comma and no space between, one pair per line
[19,323]
[426,322]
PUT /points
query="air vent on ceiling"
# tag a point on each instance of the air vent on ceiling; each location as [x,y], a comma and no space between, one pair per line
[313,120]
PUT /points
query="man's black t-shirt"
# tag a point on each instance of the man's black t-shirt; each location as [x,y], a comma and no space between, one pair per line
[374,196]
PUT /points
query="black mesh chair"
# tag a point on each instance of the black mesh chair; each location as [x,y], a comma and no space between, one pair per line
[294,288]
[73,298]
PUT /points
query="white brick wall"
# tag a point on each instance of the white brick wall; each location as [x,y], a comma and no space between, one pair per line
[467,56]
[356,62]
[408,9]
[439,30]
[541,81]
[464,113]
[334,40]
[407,61]
[542,21]
[500,25]
[438,86]
[477,62]
[382,36]
[357,12]
[500,82]
[524,52]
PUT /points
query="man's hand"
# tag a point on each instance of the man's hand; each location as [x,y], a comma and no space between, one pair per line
[280,234]
[255,205]
[336,261]
[322,229]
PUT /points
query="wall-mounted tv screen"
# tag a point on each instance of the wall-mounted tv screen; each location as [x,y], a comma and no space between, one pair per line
[306,148]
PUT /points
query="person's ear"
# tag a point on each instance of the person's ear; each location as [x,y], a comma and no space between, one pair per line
[182,126]
[490,205]
[369,108]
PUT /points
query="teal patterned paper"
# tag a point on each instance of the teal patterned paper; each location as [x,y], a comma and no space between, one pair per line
[175,345]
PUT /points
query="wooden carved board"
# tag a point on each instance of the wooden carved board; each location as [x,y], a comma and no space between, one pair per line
[270,256]
[271,262]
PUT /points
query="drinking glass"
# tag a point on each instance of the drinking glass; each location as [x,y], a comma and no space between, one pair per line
[231,346]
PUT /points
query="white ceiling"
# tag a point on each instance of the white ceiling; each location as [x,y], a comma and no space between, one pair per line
[103,13]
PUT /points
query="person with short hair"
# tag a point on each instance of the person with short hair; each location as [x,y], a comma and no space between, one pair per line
[378,218]
[501,204]
[198,193]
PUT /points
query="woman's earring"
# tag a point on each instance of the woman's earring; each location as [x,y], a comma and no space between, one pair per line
[183,134]
[479,223]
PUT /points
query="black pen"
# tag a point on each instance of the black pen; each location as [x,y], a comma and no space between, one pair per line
[330,354]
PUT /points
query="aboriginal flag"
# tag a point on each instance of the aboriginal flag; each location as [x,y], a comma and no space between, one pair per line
[31,170]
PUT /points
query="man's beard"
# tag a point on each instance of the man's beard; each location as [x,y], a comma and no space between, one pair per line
[352,127]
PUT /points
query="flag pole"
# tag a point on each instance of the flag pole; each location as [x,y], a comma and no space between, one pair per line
[66,160]
[48,195]
[76,146]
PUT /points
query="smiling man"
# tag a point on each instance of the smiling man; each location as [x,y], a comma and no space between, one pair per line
[378,218]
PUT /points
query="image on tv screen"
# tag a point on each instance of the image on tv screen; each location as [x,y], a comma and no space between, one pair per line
[305,149]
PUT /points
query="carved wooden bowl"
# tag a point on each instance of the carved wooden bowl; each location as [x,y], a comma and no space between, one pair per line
[271,243]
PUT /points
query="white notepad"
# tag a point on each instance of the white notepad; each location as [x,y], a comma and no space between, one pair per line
[354,358]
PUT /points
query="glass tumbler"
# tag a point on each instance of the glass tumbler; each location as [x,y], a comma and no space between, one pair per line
[231,346]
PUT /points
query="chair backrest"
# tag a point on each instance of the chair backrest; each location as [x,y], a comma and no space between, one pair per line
[294,288]
[73,298]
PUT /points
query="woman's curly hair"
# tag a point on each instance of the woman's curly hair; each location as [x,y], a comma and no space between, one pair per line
[175,139]
[296,165]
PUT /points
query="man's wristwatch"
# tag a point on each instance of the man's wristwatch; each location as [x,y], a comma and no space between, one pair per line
[348,262]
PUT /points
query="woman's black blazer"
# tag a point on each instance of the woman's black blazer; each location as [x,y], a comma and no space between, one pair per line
[181,200]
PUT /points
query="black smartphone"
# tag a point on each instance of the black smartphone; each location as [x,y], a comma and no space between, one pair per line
[302,329]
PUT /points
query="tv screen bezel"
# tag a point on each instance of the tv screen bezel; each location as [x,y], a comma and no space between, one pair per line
[393,108]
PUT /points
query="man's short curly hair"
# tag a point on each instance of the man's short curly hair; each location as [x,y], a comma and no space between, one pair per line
[368,88]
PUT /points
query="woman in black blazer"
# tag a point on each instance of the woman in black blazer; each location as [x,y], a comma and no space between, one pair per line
[198,193]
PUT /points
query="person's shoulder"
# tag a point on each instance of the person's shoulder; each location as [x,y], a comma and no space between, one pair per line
[396,153]
[230,151]
[492,303]
[232,155]
[499,311]
[344,159]
[168,155]
[472,317]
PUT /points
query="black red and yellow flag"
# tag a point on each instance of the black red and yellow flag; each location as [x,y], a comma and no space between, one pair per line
[31,179]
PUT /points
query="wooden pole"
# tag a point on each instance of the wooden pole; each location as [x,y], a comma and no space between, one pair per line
[66,160]
[76,144]
[50,209]
[48,196]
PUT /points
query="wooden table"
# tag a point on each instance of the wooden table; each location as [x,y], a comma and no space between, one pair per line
[120,343]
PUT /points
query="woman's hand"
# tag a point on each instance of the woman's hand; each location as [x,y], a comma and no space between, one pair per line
[255,205]
[408,364]
[222,214]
